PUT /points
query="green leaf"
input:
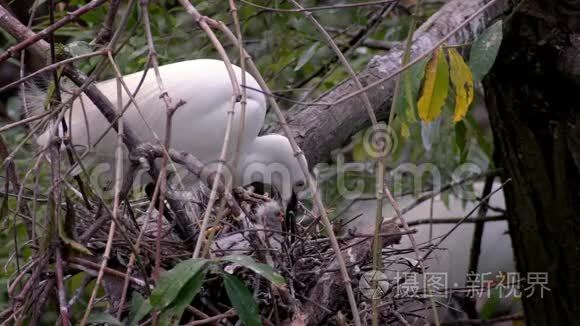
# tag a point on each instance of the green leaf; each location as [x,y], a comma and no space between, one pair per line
[411,81]
[405,132]
[461,139]
[187,294]
[484,50]
[306,56]
[359,154]
[174,281]
[99,317]
[262,269]
[463,81]
[491,305]
[445,198]
[139,308]
[485,144]
[242,300]
[435,87]
[167,318]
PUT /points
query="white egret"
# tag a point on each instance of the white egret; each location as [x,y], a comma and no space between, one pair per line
[198,126]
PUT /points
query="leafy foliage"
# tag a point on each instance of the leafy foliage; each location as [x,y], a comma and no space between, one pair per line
[139,309]
[485,50]
[412,80]
[263,270]
[178,287]
[242,300]
[103,318]
[176,280]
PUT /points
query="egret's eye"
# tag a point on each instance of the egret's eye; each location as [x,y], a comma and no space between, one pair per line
[300,184]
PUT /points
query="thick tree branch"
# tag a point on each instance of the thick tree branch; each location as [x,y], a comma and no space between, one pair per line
[321,129]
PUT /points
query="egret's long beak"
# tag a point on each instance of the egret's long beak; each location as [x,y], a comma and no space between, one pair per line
[291,212]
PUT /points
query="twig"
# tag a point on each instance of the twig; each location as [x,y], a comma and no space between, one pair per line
[21,32]
[92,267]
[106,32]
[54,220]
[170,109]
[301,159]
[405,60]
[25,121]
[479,225]
[493,321]
[50,68]
[373,118]
[62,303]
[455,220]
[355,41]
[202,21]
[22,94]
[439,191]
[133,256]
[12,177]
[227,314]
[29,40]
[400,317]
[379,45]
[243,101]
[475,249]
[116,199]
[446,235]
[87,278]
[331,7]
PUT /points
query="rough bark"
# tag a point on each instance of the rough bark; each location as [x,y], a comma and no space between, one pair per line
[322,128]
[532,98]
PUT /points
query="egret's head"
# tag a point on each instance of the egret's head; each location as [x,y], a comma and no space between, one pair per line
[271,161]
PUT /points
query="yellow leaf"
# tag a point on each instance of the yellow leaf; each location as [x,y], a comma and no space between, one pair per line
[462,79]
[435,87]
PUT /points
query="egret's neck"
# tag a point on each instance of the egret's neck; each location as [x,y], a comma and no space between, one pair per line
[266,160]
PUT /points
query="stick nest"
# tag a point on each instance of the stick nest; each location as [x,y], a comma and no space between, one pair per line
[313,293]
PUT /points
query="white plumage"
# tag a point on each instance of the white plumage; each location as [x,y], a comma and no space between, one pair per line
[198,126]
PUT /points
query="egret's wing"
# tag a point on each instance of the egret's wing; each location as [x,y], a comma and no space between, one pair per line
[198,126]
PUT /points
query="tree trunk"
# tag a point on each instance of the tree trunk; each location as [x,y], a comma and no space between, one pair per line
[532,98]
